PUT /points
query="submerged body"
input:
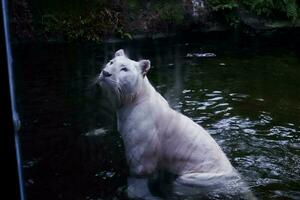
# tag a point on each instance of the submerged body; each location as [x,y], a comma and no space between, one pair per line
[157,137]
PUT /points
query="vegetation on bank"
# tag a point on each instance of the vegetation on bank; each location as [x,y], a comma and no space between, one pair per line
[267,9]
[96,20]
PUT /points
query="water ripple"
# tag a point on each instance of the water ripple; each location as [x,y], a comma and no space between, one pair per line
[257,144]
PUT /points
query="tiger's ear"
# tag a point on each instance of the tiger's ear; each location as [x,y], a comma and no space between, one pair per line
[120,52]
[144,66]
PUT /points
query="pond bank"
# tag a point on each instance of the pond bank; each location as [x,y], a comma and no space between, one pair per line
[103,20]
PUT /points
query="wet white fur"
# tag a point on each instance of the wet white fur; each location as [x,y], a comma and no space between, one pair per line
[158,137]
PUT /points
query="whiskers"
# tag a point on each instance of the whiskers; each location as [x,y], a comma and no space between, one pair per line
[116,82]
[119,94]
[111,89]
[97,81]
[94,81]
[92,84]
[122,95]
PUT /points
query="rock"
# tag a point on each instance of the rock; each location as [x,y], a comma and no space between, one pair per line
[96,132]
[201,55]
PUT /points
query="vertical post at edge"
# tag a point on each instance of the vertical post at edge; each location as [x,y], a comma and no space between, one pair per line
[13,123]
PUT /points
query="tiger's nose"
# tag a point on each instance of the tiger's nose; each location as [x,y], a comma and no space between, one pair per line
[106,74]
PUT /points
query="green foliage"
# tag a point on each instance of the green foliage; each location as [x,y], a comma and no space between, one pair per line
[288,9]
[104,18]
[227,8]
[218,5]
[93,26]
[95,20]
[172,13]
[292,10]
[133,4]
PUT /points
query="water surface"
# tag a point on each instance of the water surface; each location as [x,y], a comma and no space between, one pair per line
[247,97]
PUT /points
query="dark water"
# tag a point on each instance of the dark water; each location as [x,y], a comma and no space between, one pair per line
[248,98]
